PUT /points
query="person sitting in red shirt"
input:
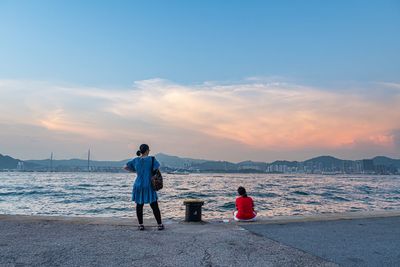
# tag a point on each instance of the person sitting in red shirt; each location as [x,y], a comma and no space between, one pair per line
[245,207]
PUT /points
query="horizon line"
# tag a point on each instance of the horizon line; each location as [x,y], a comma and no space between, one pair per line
[221,160]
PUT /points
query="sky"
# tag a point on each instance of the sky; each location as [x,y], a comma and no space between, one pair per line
[224,80]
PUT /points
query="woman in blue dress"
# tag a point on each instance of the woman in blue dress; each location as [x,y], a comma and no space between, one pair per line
[143,191]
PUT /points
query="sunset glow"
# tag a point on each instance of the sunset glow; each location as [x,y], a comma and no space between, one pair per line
[260,116]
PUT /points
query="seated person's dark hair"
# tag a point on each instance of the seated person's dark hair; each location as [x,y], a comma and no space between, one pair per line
[242,191]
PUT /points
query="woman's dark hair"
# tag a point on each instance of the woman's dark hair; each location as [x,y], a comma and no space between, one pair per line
[242,191]
[142,149]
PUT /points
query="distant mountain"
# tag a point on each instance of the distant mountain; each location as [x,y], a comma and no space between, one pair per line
[77,163]
[171,163]
[167,161]
[216,166]
[326,161]
[382,160]
[252,163]
[175,162]
[7,162]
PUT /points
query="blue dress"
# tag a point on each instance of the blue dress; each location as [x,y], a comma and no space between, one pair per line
[142,191]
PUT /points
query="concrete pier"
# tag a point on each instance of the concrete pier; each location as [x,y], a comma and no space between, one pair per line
[72,241]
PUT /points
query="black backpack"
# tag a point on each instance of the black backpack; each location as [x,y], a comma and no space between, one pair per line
[156,177]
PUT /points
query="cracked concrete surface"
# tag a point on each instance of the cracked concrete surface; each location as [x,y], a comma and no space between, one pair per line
[45,241]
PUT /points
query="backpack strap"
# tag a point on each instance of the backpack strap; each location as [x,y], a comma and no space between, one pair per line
[152,164]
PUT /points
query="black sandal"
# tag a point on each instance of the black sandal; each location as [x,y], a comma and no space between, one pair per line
[141,227]
[160,227]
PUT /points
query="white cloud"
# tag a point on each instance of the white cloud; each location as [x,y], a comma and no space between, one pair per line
[391,85]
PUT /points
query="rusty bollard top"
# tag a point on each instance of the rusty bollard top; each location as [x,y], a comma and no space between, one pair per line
[193,201]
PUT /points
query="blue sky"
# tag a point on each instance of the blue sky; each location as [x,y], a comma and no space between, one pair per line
[234,80]
[113,43]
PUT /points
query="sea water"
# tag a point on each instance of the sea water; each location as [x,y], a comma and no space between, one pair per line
[109,194]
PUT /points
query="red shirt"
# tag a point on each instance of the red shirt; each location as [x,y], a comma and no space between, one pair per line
[245,207]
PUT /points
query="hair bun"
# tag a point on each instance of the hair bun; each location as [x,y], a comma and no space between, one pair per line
[138,153]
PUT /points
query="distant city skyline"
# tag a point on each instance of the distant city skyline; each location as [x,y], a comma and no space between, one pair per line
[174,164]
[254,80]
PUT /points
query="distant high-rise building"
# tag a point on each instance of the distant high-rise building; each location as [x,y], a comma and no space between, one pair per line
[358,166]
[20,166]
[368,165]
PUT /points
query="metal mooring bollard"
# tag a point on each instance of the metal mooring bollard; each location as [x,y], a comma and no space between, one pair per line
[193,210]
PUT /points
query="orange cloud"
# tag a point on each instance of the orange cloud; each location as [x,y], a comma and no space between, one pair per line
[58,120]
[274,116]
[265,115]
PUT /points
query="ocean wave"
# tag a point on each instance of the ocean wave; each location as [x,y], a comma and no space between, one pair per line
[109,195]
[182,189]
[264,195]
[365,189]
[228,206]
[298,192]
[313,202]
[33,192]
[118,209]
[87,185]
[194,195]
[338,198]
[93,199]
